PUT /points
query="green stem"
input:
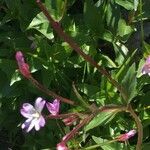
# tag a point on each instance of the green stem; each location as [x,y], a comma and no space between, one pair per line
[139,127]
[83,102]
[141,22]
[99,145]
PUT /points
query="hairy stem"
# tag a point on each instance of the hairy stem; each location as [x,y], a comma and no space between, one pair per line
[75,130]
[61,116]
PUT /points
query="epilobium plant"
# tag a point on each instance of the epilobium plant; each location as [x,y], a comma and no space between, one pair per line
[82,52]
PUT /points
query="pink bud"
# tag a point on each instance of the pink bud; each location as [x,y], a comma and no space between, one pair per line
[126,136]
[53,107]
[23,67]
[146,67]
[62,146]
[70,120]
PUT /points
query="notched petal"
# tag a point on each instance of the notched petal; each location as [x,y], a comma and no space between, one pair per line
[39,104]
[27,110]
[53,107]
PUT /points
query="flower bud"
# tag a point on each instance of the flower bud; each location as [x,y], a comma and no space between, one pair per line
[126,136]
[23,67]
[62,146]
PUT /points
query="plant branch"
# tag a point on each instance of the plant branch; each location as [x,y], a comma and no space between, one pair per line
[87,119]
[56,26]
[48,92]
[139,127]
[75,130]
[61,116]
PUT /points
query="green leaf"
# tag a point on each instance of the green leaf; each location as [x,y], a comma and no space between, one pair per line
[56,8]
[106,144]
[125,65]
[41,24]
[108,36]
[93,20]
[108,62]
[146,48]
[98,140]
[146,146]
[8,66]
[112,16]
[127,4]
[129,83]
[101,118]
[123,29]
[88,89]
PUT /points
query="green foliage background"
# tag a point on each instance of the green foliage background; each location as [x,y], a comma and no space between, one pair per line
[110,31]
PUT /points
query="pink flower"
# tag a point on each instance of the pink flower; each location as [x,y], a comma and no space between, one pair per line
[62,146]
[33,115]
[126,136]
[23,67]
[53,107]
[146,67]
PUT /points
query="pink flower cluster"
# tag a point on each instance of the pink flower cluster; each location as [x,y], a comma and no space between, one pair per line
[35,118]
[33,113]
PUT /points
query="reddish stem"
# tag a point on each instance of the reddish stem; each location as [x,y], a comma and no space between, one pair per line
[56,26]
[75,130]
[61,116]
[50,93]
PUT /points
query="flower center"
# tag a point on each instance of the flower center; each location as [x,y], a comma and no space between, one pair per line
[36,115]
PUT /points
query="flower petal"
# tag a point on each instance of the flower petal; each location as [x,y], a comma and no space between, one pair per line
[32,124]
[131,133]
[53,107]
[37,126]
[39,104]
[62,146]
[19,57]
[126,136]
[148,60]
[26,124]
[41,121]
[27,110]
[146,67]
[23,67]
